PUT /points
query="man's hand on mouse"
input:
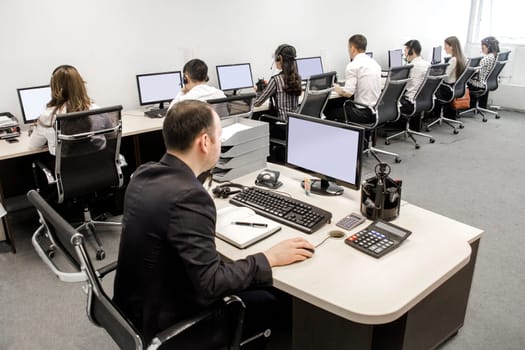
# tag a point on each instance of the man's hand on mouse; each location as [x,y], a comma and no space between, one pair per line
[289,251]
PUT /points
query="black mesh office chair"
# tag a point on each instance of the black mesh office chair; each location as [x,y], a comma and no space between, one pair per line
[423,102]
[474,61]
[234,106]
[87,161]
[503,56]
[385,110]
[491,84]
[399,73]
[458,89]
[217,327]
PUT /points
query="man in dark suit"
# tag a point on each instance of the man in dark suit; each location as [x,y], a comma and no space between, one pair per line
[168,265]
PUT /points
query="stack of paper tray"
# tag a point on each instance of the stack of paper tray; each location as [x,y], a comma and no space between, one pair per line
[245,147]
[9,127]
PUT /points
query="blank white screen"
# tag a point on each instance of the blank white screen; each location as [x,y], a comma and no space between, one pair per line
[325,149]
[396,58]
[309,66]
[33,101]
[236,76]
[159,87]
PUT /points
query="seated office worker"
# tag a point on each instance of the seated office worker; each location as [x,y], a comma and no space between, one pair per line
[490,49]
[456,66]
[362,81]
[283,88]
[68,94]
[195,79]
[168,265]
[416,76]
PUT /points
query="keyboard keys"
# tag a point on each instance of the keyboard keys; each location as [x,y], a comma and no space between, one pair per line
[286,210]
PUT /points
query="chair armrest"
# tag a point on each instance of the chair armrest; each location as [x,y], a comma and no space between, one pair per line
[104,270]
[122,160]
[50,177]
[178,328]
[271,118]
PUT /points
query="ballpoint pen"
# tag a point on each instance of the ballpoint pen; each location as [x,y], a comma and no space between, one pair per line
[252,224]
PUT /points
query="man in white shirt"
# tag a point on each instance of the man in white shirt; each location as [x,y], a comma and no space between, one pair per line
[362,80]
[416,76]
[195,78]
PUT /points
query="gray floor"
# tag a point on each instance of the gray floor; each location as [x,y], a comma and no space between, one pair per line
[474,177]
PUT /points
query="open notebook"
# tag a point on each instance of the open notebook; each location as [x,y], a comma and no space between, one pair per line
[243,236]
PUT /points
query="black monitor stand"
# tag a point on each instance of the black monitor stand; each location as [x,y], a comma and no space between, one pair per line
[161,105]
[324,187]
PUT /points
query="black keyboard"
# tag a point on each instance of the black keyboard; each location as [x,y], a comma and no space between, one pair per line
[156,113]
[288,211]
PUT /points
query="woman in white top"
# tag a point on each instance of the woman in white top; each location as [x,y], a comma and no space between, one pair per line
[68,94]
[456,67]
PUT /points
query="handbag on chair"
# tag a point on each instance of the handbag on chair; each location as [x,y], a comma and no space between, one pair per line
[462,102]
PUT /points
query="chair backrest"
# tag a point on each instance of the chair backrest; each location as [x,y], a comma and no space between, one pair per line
[100,309]
[503,56]
[87,152]
[424,98]
[474,61]
[320,82]
[234,106]
[399,73]
[387,107]
[493,77]
[314,102]
[461,83]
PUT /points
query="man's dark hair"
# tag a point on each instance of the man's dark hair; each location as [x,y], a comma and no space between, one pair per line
[358,41]
[413,45]
[196,69]
[185,121]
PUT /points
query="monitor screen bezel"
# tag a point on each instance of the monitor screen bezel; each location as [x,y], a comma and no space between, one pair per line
[309,58]
[24,117]
[231,65]
[340,182]
[138,76]
[390,57]
[438,49]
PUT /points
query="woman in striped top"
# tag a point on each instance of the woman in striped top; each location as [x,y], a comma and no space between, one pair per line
[490,48]
[284,88]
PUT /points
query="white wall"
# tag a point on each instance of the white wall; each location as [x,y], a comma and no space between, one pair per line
[112,41]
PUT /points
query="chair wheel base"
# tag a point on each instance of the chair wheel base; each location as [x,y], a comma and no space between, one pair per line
[428,129]
[484,120]
[461,126]
[397,160]
[497,116]
[387,142]
[417,146]
[456,132]
[50,253]
[432,140]
[101,254]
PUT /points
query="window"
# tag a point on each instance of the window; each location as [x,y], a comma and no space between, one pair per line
[500,18]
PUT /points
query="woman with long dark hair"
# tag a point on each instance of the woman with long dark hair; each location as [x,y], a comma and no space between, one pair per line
[490,49]
[283,88]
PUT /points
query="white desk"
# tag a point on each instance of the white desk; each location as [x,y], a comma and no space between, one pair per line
[342,281]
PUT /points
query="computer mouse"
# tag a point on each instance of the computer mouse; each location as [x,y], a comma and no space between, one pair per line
[311,250]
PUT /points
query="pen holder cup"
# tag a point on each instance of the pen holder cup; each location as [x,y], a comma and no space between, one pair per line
[381,199]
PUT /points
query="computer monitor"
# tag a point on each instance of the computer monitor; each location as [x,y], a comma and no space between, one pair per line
[158,87]
[308,66]
[395,58]
[234,76]
[33,101]
[370,54]
[326,149]
[436,54]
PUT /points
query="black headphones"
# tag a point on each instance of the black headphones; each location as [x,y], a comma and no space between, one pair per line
[283,47]
[225,190]
[409,45]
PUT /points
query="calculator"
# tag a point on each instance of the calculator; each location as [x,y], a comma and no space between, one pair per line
[350,221]
[378,238]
